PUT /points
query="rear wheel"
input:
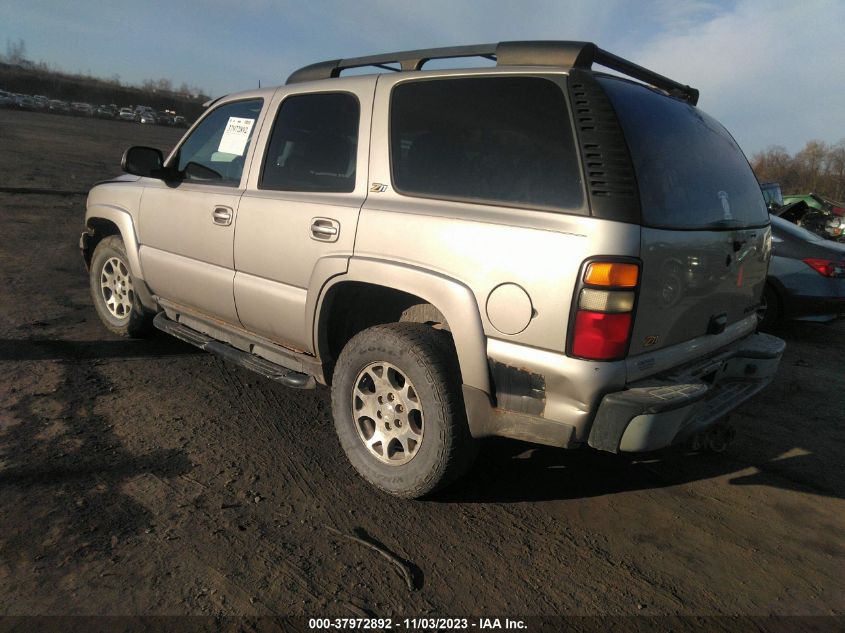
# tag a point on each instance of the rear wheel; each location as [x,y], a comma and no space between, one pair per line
[398,409]
[113,290]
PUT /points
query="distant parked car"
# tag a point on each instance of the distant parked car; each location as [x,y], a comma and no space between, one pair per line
[24,102]
[40,102]
[179,121]
[105,112]
[806,278]
[147,116]
[6,99]
[126,114]
[57,106]
[165,118]
[82,109]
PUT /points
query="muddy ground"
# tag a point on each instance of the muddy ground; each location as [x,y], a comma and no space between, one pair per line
[145,477]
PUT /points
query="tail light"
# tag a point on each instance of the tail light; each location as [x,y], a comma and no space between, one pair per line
[826,267]
[601,327]
[838,211]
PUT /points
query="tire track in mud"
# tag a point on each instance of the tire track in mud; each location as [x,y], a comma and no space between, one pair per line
[280,415]
[281,423]
[57,444]
[76,377]
[262,404]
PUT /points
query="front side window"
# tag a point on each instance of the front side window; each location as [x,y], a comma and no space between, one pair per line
[502,140]
[215,151]
[314,144]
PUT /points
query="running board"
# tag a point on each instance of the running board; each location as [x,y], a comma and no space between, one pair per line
[287,377]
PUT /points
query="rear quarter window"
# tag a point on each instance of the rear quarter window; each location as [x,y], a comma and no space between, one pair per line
[690,172]
[498,140]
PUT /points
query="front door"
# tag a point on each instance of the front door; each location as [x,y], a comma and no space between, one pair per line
[187,227]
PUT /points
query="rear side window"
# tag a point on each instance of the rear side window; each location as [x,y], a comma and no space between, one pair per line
[501,140]
[690,172]
[313,146]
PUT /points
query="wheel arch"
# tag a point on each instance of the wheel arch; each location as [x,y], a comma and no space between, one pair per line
[104,220]
[399,288]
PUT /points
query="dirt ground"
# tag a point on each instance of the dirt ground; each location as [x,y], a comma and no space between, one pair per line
[146,477]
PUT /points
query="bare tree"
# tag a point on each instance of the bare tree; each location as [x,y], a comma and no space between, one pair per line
[811,162]
[818,167]
[775,164]
[16,52]
[836,168]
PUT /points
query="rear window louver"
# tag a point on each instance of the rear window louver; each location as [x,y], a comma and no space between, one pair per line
[610,177]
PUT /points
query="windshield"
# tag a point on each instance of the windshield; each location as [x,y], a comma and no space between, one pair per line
[690,171]
[772,193]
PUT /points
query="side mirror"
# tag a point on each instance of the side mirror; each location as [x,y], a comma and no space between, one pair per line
[143,161]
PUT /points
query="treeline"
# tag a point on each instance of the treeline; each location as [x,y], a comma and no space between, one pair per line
[818,168]
[35,80]
[21,75]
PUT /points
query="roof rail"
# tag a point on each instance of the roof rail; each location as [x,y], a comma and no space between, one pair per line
[533,53]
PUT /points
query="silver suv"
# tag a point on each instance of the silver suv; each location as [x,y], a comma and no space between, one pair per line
[531,249]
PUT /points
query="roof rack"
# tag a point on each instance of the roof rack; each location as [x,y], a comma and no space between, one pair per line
[533,53]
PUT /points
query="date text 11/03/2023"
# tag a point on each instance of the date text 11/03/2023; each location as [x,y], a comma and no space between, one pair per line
[414,624]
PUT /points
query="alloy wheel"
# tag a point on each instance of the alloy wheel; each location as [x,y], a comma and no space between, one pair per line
[116,287]
[387,413]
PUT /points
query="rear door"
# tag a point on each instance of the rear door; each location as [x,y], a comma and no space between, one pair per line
[705,240]
[297,219]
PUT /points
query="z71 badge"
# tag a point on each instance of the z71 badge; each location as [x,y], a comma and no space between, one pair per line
[650,340]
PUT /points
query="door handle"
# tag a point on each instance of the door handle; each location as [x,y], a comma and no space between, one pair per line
[222,216]
[325,229]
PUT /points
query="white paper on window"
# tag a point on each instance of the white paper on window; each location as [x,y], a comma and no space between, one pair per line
[236,136]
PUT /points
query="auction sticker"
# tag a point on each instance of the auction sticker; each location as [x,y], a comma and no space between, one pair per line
[236,136]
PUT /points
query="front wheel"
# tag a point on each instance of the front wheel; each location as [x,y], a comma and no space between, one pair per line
[398,409]
[113,290]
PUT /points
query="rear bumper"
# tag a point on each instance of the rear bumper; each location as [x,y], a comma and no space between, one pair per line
[668,408]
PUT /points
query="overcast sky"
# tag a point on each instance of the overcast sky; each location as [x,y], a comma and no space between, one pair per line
[771,71]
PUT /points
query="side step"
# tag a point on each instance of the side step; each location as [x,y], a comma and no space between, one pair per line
[287,377]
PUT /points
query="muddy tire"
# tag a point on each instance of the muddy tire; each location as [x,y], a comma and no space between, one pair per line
[398,409]
[113,291]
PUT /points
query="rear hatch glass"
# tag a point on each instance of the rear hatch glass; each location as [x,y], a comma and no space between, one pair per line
[690,171]
[704,238]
